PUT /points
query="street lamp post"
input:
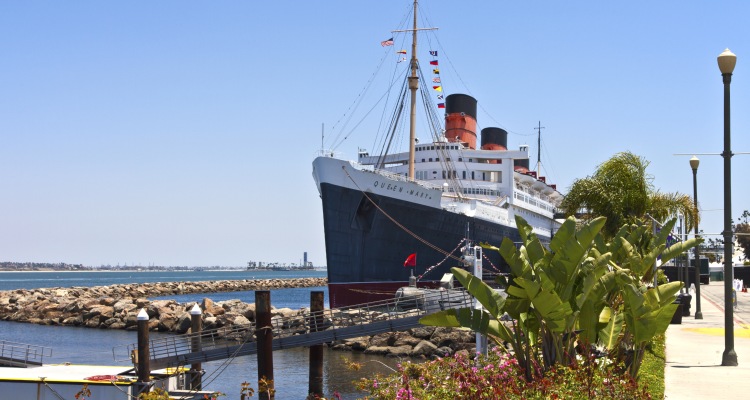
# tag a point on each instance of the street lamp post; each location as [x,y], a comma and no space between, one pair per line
[698,314]
[686,273]
[727,61]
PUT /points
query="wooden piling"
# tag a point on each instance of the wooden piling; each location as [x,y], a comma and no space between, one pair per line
[315,383]
[264,336]
[144,358]
[196,369]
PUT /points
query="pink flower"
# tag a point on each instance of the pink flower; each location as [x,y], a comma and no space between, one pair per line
[403,394]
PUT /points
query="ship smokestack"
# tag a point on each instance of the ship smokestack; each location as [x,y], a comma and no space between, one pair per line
[461,119]
[521,165]
[494,139]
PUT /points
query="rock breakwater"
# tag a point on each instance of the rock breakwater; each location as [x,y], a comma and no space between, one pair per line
[117,306]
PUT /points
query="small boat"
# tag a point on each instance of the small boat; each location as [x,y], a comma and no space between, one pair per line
[65,381]
[23,375]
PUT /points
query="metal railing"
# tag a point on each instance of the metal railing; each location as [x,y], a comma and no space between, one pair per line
[14,354]
[304,330]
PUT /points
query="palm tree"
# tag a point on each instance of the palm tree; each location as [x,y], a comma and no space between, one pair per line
[622,191]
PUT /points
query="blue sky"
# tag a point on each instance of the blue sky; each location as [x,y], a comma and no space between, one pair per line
[182,133]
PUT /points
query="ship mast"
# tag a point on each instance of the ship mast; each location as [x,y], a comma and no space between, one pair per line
[539,149]
[413,86]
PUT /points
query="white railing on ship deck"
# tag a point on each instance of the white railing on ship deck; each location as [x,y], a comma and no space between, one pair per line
[533,202]
[392,176]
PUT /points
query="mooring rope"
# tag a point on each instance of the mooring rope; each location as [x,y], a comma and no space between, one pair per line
[398,224]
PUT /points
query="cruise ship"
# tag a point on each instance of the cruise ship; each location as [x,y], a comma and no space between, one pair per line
[427,203]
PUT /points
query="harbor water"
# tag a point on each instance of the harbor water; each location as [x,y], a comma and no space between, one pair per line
[109,347]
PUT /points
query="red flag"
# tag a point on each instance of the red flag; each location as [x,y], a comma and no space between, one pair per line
[433,62]
[411,261]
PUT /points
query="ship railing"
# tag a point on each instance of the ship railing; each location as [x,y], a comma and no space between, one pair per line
[22,355]
[394,176]
[328,153]
[304,329]
[538,203]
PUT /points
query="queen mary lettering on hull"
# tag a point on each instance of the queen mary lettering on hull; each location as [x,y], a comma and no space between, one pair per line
[428,201]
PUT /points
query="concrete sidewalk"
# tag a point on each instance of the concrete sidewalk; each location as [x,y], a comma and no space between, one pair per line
[695,347]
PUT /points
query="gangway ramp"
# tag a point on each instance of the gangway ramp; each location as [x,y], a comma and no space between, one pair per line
[303,330]
[22,355]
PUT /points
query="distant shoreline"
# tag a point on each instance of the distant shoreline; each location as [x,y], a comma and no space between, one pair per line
[158,270]
[82,270]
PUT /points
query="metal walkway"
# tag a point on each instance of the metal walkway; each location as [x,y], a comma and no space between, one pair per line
[303,330]
[22,355]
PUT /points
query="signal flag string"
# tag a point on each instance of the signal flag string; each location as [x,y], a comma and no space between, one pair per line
[427,271]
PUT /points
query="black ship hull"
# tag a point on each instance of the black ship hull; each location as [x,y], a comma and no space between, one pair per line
[367,244]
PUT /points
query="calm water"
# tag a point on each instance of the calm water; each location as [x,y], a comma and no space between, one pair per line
[33,280]
[108,347]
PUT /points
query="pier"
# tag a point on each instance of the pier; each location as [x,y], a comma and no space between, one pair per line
[302,331]
[310,329]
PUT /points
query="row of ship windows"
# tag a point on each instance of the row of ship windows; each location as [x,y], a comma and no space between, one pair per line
[480,191]
[460,159]
[447,159]
[496,176]
[438,147]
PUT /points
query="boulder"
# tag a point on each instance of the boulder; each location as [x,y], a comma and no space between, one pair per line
[184,323]
[209,323]
[142,302]
[399,351]
[442,352]
[422,332]
[107,301]
[241,320]
[450,337]
[405,339]
[167,322]
[423,348]
[382,350]
[75,321]
[124,305]
[357,343]
[286,312]
[381,340]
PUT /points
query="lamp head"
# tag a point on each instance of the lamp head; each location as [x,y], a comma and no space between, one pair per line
[726,60]
[694,163]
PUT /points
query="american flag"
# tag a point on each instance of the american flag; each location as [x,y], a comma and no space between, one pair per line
[388,42]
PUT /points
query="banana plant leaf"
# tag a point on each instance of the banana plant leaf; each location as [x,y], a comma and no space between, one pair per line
[471,318]
[609,335]
[488,297]
[649,314]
